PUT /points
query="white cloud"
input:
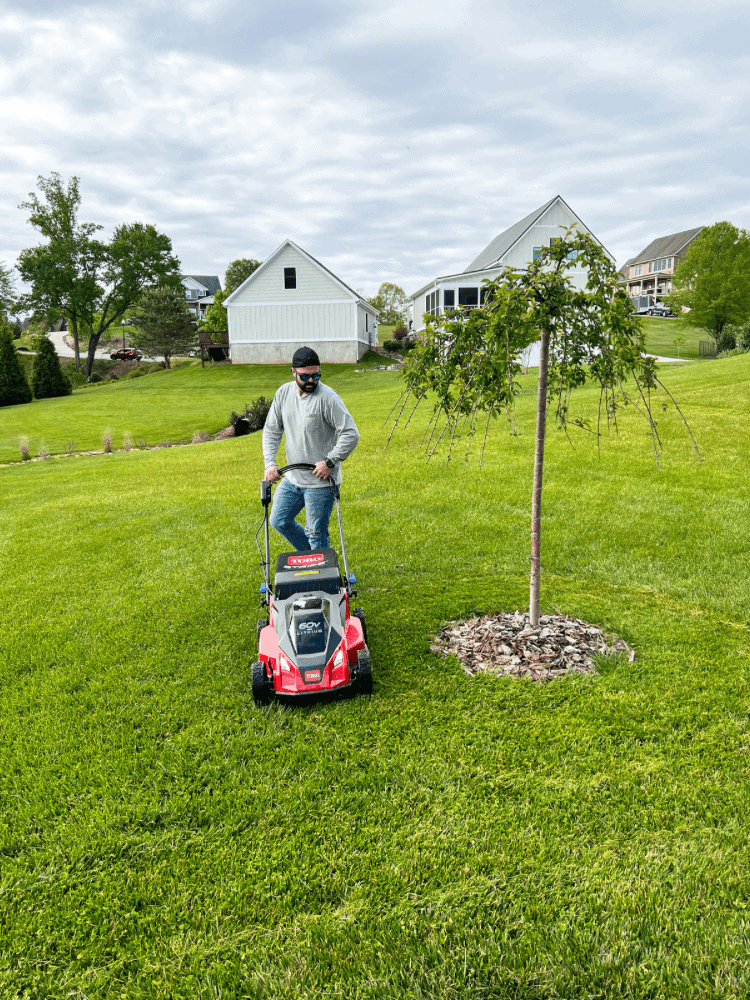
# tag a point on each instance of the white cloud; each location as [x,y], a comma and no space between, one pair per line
[392,141]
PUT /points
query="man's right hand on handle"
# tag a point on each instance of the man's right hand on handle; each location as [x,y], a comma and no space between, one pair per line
[272,474]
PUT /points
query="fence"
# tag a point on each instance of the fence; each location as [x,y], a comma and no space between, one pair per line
[706,348]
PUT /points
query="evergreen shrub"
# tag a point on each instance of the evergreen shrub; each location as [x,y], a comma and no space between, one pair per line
[135,373]
[255,414]
[48,379]
[14,386]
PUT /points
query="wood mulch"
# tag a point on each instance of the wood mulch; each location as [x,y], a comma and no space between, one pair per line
[507,645]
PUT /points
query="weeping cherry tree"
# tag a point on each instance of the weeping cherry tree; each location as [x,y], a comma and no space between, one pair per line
[468,362]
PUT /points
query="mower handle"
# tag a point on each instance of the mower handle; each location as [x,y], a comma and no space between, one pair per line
[296,465]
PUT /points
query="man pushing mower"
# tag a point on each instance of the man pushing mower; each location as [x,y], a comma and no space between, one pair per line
[319,431]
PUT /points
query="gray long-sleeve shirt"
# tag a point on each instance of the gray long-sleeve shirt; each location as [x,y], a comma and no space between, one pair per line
[317,426]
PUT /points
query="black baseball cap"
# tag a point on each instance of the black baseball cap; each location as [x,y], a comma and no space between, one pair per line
[305,357]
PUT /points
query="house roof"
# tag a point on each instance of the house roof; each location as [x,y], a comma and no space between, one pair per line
[209,281]
[328,271]
[502,243]
[666,246]
[623,271]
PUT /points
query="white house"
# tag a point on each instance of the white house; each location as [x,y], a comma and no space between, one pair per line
[515,247]
[199,292]
[291,301]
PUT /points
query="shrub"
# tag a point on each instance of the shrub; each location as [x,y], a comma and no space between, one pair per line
[156,366]
[23,444]
[126,442]
[255,414]
[199,437]
[392,345]
[94,377]
[107,442]
[14,386]
[135,373]
[408,345]
[47,379]
[70,447]
[400,332]
[726,341]
[43,453]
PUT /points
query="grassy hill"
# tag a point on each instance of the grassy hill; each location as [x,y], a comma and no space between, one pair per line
[449,837]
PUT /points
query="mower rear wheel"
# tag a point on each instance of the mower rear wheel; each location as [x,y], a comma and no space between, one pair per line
[261,684]
[360,613]
[364,672]
[262,622]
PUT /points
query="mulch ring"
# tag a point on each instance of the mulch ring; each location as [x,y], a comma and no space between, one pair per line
[507,645]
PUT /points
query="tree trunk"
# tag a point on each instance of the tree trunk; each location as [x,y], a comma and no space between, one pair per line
[93,341]
[76,346]
[536,496]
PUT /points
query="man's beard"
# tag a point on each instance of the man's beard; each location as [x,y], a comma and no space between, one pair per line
[309,386]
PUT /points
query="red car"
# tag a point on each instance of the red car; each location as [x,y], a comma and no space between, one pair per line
[126,354]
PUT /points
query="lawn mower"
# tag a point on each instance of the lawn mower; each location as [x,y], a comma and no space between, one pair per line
[310,644]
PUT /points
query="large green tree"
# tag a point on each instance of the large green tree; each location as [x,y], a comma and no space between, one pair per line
[390,303]
[14,386]
[47,378]
[236,273]
[8,298]
[468,362]
[90,282]
[163,323]
[713,281]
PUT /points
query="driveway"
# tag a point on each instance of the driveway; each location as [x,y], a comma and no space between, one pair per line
[58,339]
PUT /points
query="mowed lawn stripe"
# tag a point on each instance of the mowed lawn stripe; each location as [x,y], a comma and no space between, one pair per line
[449,837]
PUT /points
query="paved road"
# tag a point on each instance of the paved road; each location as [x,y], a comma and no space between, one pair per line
[58,339]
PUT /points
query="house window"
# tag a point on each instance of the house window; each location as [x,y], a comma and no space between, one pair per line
[638,269]
[367,325]
[468,296]
[449,298]
[537,253]
[290,277]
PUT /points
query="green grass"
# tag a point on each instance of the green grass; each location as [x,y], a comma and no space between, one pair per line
[660,335]
[447,838]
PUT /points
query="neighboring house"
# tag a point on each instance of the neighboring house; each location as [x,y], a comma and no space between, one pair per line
[650,272]
[199,292]
[515,247]
[291,301]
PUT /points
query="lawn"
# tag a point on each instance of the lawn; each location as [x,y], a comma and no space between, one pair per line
[450,837]
[166,406]
[661,333]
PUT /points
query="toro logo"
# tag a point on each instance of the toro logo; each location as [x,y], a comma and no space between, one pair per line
[311,676]
[306,560]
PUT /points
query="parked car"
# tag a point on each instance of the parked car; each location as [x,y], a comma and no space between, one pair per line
[660,310]
[126,354]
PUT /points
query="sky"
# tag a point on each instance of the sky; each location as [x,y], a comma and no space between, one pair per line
[392,142]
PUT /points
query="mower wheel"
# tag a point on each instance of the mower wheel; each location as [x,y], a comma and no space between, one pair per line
[360,613]
[364,672]
[262,622]
[261,684]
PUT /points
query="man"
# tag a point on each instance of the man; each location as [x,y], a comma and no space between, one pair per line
[320,431]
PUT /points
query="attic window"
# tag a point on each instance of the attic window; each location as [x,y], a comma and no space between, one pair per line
[290,277]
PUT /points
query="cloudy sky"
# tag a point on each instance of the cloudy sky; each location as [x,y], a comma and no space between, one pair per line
[392,142]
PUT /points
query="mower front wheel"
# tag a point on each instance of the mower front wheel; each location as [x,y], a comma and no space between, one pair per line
[364,672]
[261,684]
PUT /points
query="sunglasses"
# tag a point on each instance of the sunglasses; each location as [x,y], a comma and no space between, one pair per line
[306,377]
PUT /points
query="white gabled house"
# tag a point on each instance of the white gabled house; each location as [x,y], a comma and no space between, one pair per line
[291,301]
[515,247]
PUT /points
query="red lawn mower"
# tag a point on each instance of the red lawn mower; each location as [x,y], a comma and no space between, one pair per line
[310,644]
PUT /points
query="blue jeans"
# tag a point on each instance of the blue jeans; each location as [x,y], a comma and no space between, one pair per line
[288,501]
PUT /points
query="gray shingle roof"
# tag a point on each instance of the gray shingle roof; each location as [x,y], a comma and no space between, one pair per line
[209,281]
[666,246]
[502,243]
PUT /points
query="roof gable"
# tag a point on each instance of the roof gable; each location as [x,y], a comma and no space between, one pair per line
[502,243]
[316,263]
[210,282]
[666,246]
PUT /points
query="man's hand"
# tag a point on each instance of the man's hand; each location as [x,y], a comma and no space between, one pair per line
[272,474]
[321,471]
